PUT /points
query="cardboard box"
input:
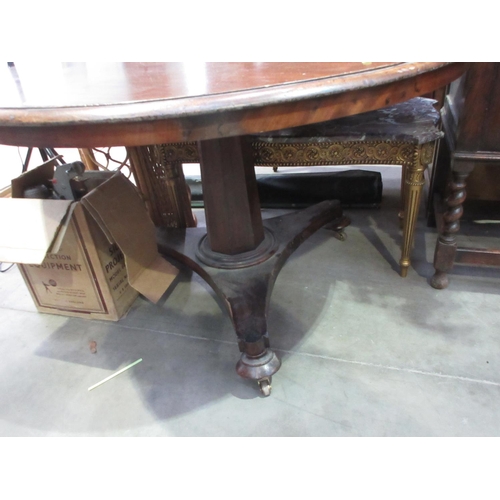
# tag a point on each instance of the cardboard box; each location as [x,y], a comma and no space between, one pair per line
[88,259]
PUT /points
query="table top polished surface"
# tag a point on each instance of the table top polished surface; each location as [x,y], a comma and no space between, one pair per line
[191,100]
[28,85]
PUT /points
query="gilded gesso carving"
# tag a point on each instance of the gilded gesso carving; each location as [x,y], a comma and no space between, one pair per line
[415,178]
[181,151]
[328,153]
[303,153]
[426,153]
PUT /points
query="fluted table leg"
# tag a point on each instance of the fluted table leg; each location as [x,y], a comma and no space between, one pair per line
[412,193]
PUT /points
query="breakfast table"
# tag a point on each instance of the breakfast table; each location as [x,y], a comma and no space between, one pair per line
[218,105]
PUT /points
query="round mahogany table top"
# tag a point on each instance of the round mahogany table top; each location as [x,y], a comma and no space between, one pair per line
[132,104]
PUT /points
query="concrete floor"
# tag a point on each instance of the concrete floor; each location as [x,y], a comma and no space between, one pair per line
[364,352]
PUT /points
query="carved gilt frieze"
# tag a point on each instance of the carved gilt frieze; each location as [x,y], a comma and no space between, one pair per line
[268,153]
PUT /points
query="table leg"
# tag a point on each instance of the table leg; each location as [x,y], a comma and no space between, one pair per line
[401,213]
[446,245]
[241,255]
[414,183]
[231,200]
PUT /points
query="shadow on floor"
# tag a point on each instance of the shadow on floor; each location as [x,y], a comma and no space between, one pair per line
[180,372]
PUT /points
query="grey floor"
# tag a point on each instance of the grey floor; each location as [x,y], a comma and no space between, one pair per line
[364,352]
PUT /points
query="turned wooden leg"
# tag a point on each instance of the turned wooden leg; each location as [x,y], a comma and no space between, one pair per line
[414,183]
[446,245]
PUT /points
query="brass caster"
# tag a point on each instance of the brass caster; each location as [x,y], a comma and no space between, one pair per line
[265,386]
[338,228]
[340,235]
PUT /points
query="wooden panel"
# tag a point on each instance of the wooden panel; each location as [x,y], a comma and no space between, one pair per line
[484,183]
[479,122]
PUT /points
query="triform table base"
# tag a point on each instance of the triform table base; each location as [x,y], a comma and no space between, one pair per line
[245,281]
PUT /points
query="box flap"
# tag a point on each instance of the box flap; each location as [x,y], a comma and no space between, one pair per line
[58,239]
[120,212]
[34,177]
[29,228]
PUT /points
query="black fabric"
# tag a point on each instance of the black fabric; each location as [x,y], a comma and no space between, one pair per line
[353,188]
